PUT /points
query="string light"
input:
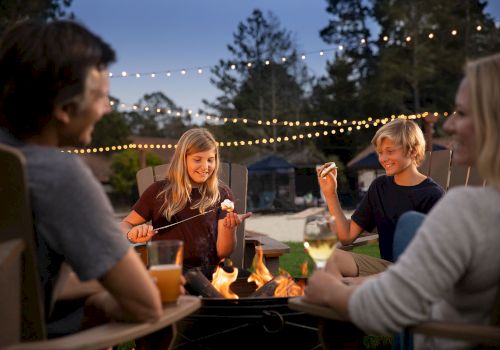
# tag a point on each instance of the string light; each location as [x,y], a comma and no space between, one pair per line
[233,66]
[325,132]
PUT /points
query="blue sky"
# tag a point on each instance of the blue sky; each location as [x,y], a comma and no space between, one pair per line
[161,35]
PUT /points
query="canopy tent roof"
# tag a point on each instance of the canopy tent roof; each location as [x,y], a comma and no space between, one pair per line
[368,159]
[269,164]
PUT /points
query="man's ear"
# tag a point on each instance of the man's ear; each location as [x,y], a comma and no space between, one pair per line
[63,113]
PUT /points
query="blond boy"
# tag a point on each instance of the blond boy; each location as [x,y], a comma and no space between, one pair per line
[400,146]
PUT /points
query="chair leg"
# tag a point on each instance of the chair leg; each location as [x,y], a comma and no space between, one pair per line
[161,339]
[340,335]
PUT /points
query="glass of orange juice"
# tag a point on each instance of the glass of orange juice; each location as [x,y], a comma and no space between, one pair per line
[165,265]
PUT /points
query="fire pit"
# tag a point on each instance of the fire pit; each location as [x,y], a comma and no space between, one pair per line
[247,323]
[238,315]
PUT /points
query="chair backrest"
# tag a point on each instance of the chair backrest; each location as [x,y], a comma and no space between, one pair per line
[440,167]
[10,297]
[16,223]
[235,176]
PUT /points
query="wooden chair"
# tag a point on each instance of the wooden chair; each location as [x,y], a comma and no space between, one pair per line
[235,176]
[21,311]
[484,335]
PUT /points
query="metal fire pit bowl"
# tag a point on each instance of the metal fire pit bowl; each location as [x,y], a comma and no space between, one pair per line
[247,323]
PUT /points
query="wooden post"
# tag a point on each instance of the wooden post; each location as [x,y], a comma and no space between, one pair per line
[429,130]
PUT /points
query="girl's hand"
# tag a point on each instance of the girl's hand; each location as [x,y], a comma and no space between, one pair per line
[327,184]
[140,233]
[232,219]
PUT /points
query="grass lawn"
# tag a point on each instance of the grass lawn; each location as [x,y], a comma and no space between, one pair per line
[291,262]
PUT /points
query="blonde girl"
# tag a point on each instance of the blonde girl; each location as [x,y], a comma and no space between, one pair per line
[191,187]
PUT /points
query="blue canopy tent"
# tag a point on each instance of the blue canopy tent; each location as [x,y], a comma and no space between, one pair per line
[271,183]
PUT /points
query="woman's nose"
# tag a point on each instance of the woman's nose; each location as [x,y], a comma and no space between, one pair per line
[448,125]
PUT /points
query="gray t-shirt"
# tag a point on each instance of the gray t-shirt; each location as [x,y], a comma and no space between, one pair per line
[73,217]
[450,271]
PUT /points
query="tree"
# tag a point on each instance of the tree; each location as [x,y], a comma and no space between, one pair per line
[157,115]
[348,30]
[12,11]
[111,130]
[262,80]
[125,165]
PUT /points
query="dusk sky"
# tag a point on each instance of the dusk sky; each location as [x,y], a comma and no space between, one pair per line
[159,36]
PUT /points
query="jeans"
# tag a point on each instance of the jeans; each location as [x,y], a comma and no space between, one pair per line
[406,229]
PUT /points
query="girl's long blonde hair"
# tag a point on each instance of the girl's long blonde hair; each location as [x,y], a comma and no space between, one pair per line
[177,193]
[483,78]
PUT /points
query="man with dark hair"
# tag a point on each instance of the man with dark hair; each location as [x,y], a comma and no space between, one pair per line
[53,90]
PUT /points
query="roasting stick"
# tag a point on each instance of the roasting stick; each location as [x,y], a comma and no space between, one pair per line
[178,222]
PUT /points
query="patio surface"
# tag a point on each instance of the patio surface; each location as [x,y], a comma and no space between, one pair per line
[282,227]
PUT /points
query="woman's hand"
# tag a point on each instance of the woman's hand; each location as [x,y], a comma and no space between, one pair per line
[320,286]
[323,288]
[232,219]
[327,184]
[140,233]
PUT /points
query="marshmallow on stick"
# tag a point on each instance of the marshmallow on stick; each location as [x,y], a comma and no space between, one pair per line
[227,205]
[328,169]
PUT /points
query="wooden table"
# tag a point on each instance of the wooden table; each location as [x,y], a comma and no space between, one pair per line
[272,248]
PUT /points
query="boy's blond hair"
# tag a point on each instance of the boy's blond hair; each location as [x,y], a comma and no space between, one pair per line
[405,133]
[483,78]
[177,193]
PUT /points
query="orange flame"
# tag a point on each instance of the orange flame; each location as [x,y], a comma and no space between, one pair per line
[304,268]
[221,280]
[286,286]
[261,274]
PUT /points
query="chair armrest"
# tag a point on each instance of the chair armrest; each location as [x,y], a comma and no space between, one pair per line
[487,335]
[298,304]
[114,333]
[360,241]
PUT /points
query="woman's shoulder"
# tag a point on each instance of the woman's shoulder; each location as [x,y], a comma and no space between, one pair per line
[473,196]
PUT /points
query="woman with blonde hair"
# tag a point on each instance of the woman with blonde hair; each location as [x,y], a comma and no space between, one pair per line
[451,269]
[191,187]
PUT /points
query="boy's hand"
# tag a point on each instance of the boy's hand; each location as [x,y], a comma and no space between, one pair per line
[327,184]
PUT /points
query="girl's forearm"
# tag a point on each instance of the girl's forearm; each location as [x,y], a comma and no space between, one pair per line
[226,241]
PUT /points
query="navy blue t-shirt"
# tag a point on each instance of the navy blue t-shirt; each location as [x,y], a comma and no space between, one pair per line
[386,201]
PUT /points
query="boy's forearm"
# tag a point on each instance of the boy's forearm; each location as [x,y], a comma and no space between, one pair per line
[341,222]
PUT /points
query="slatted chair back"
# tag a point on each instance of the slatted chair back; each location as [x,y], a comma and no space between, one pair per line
[16,223]
[440,167]
[235,176]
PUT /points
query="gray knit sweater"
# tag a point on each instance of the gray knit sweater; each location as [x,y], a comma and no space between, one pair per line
[450,271]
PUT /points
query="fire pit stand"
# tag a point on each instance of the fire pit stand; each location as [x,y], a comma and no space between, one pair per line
[247,323]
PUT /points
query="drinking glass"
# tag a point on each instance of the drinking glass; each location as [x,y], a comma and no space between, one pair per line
[165,265]
[319,239]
